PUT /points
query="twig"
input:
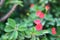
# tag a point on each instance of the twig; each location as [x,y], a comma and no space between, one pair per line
[9,13]
[1,2]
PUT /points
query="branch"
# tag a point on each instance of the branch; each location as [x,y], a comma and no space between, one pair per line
[1,2]
[9,13]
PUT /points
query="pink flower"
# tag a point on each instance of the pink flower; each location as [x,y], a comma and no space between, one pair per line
[40,14]
[53,30]
[37,21]
[39,27]
[32,5]
[47,7]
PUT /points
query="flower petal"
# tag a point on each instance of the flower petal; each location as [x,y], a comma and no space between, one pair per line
[39,27]
[53,30]
[42,15]
[37,21]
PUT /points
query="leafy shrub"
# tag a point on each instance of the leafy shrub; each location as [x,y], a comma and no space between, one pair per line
[29,20]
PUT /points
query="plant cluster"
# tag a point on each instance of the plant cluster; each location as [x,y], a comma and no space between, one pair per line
[29,20]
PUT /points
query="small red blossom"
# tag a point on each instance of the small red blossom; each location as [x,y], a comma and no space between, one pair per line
[37,21]
[40,14]
[53,30]
[47,7]
[39,27]
[32,5]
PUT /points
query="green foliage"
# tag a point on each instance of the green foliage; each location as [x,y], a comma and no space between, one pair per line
[20,25]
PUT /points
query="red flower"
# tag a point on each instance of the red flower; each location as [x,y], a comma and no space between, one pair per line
[47,7]
[37,21]
[53,30]
[39,27]
[32,5]
[40,14]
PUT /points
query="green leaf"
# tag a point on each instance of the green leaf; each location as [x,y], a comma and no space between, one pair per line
[21,35]
[52,37]
[1,26]
[0,38]
[21,28]
[11,23]
[57,38]
[58,22]
[43,1]
[33,31]
[21,38]
[44,38]
[51,23]
[13,35]
[33,38]
[28,33]
[8,29]
[28,36]
[4,37]
[49,17]
[15,2]
[58,32]
[43,22]
[41,8]
[38,38]
[42,32]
